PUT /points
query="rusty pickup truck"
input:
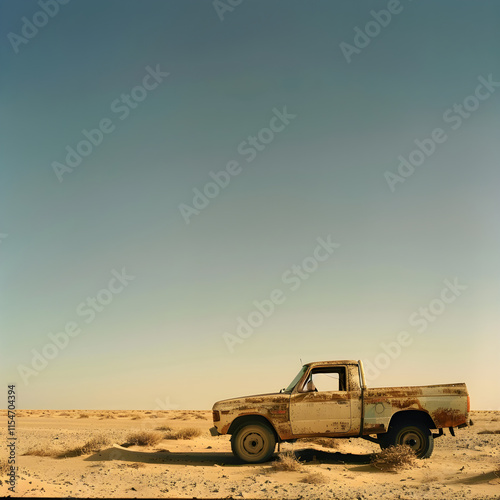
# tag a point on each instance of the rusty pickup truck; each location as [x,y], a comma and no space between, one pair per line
[330,399]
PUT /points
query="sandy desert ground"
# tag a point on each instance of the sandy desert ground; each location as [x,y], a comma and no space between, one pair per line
[181,460]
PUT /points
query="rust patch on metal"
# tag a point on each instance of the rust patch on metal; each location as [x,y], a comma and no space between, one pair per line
[374,429]
[322,396]
[445,417]
[394,392]
[407,403]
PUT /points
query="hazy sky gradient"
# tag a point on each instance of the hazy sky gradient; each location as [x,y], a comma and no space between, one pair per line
[322,175]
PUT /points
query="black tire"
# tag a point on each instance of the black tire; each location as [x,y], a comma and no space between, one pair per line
[253,443]
[416,435]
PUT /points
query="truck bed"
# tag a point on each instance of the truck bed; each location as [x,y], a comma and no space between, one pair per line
[446,404]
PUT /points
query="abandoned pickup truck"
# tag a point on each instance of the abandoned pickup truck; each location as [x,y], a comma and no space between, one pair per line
[330,399]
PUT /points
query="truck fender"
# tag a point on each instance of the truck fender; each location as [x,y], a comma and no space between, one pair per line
[242,420]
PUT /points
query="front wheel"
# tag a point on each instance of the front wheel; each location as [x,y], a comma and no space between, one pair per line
[417,436]
[253,443]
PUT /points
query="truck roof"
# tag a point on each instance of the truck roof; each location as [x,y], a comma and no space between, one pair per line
[332,363]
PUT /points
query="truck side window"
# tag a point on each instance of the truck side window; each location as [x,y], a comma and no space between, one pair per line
[329,380]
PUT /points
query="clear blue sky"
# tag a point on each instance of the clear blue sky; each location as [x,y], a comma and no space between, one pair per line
[324,173]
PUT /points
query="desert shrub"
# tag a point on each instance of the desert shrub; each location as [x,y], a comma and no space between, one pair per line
[394,458]
[145,438]
[137,416]
[64,414]
[188,433]
[165,428]
[91,446]
[4,467]
[40,452]
[496,431]
[185,433]
[182,416]
[314,478]
[287,461]
[84,415]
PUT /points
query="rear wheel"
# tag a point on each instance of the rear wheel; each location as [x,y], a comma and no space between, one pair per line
[417,436]
[253,443]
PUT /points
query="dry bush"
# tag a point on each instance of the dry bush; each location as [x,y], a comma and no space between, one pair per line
[185,433]
[122,415]
[107,415]
[395,458]
[4,467]
[182,416]
[323,441]
[91,446]
[165,428]
[496,431]
[145,438]
[40,452]
[188,433]
[64,414]
[287,461]
[137,416]
[314,478]
[84,415]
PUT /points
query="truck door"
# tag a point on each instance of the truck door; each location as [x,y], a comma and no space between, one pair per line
[322,404]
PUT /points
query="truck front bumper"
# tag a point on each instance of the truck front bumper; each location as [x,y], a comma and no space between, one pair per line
[214,431]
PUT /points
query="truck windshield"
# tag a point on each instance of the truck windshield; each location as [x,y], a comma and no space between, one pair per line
[296,379]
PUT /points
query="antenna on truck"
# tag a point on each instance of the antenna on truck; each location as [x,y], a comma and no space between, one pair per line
[301,364]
